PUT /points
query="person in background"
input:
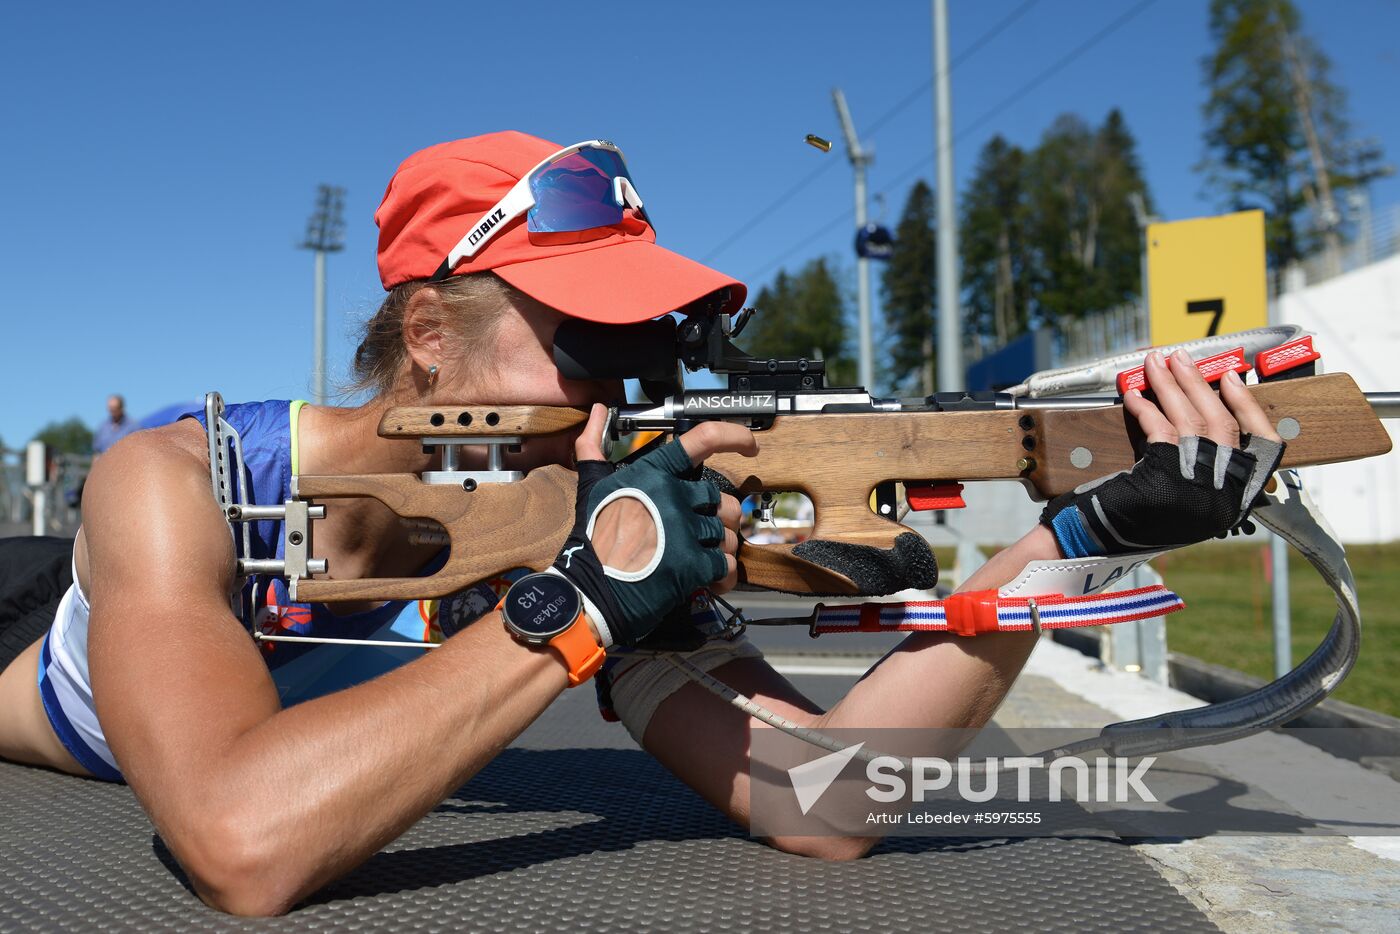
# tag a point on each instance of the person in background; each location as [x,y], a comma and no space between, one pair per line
[116,427]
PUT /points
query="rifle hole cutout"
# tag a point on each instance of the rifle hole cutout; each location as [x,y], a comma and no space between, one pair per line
[436,420]
[464,419]
[792,517]
[1288,428]
[493,419]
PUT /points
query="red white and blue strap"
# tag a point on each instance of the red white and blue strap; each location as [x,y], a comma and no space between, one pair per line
[969,614]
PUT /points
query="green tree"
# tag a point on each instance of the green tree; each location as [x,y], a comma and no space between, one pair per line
[908,285]
[803,315]
[1081,227]
[1120,179]
[997,266]
[66,437]
[1276,131]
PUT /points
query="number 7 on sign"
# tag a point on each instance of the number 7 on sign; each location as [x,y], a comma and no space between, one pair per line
[1215,306]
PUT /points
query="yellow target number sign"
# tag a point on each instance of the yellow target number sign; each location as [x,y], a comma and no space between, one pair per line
[1206,277]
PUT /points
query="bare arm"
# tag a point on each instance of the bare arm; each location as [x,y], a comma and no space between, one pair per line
[930,680]
[263,805]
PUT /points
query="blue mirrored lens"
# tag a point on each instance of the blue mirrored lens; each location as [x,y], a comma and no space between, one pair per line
[576,193]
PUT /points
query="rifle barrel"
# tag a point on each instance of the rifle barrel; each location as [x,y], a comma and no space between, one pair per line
[1066,402]
[1385,404]
[663,416]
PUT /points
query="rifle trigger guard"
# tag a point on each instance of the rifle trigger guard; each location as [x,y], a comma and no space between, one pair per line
[735,623]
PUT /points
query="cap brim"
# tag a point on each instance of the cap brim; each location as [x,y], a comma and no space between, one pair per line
[620,284]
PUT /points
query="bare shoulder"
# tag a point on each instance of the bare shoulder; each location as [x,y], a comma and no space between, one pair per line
[174,674]
[148,510]
[181,443]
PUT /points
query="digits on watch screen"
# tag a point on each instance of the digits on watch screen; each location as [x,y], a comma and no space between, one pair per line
[542,605]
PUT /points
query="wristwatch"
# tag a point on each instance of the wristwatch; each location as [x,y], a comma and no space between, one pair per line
[547,609]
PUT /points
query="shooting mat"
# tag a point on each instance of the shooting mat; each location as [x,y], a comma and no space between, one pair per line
[575,828]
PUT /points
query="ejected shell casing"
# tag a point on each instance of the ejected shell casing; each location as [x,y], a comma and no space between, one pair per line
[823,144]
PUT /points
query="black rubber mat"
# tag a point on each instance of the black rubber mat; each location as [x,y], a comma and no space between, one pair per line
[553,836]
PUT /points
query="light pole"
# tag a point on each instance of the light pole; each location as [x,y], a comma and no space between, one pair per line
[950,374]
[860,158]
[324,230]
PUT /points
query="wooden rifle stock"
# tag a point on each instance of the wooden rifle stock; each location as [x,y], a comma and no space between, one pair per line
[835,459]
[494,529]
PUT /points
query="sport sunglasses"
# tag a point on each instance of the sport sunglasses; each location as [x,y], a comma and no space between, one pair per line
[580,187]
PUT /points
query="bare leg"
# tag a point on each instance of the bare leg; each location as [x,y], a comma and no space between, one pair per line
[25,733]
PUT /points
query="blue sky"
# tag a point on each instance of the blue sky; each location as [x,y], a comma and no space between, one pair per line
[160,159]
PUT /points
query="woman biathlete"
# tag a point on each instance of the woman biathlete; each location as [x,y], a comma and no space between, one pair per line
[486,244]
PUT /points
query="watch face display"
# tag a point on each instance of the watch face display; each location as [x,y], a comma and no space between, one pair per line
[540,606]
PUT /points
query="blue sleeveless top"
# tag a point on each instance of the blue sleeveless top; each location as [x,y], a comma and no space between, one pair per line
[301,671]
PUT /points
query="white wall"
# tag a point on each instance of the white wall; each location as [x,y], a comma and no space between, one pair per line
[1356,320]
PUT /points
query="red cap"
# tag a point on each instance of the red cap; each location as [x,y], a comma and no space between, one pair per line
[615,275]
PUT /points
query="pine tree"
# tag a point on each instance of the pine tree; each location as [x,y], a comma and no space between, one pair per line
[1118,173]
[1063,218]
[908,286]
[1273,116]
[1081,226]
[997,267]
[803,315]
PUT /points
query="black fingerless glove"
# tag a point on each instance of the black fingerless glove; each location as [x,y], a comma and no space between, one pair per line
[1177,494]
[689,540]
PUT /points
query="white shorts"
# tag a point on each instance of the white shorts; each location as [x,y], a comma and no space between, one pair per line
[640,680]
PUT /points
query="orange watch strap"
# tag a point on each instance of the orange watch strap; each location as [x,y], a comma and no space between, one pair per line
[578,647]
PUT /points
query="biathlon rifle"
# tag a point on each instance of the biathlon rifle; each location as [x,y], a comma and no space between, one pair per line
[848,451]
[844,448]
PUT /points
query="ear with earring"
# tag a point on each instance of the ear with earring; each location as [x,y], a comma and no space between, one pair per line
[432,374]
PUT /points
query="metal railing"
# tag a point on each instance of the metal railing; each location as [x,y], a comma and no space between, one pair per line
[1101,334]
[56,497]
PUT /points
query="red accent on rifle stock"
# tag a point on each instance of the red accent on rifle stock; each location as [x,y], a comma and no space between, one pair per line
[1212,368]
[926,496]
[1284,358]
